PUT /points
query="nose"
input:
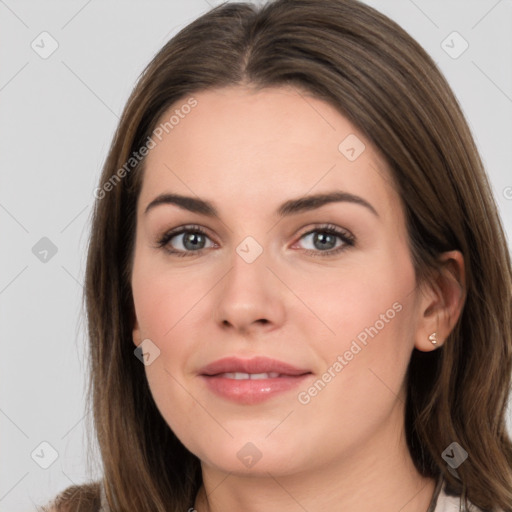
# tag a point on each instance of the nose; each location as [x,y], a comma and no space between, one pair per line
[249,298]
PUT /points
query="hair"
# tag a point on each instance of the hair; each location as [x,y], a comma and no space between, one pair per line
[365,65]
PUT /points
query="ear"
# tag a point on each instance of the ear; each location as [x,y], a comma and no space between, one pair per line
[441,302]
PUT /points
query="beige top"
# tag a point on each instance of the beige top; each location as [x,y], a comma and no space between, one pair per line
[447,503]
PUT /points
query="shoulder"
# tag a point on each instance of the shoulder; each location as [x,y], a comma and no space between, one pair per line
[77,498]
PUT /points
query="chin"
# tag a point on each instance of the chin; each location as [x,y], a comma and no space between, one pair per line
[256,458]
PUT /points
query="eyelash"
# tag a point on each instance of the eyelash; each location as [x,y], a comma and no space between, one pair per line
[347,239]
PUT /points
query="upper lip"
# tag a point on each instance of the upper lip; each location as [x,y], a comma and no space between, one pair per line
[254,365]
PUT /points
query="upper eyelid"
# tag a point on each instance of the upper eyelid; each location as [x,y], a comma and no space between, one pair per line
[327,227]
[196,227]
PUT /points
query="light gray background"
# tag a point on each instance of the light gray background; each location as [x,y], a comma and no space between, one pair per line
[57,119]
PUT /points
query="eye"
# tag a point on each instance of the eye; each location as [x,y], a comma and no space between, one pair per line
[185,241]
[327,240]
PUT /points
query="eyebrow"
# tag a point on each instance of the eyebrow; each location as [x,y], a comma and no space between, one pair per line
[290,207]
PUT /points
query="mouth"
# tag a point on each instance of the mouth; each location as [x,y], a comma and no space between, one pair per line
[251,381]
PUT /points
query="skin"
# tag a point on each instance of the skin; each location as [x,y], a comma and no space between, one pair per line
[247,152]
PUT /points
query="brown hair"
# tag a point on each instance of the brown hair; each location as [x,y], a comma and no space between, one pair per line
[376,75]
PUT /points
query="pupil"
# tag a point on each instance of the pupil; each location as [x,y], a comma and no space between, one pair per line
[324,238]
[193,239]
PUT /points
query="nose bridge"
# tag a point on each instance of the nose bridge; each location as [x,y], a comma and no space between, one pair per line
[249,250]
[247,269]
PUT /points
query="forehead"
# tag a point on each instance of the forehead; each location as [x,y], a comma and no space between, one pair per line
[238,143]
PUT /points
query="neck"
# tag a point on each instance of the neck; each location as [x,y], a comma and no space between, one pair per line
[381,476]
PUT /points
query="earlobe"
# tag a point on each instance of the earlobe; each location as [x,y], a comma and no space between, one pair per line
[442,303]
[433,338]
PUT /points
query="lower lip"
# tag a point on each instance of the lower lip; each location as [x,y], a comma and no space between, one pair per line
[249,391]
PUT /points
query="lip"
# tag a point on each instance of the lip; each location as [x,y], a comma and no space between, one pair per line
[258,364]
[251,391]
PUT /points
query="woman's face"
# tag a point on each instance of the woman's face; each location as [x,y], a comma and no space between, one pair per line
[313,329]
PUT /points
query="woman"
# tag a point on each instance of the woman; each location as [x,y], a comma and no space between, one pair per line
[298,287]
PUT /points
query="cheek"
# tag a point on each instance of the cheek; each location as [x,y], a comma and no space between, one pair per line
[370,312]
[180,409]
[361,297]
[163,297]
[359,387]
[170,313]
[166,317]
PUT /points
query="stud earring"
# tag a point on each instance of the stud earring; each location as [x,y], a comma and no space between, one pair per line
[433,338]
